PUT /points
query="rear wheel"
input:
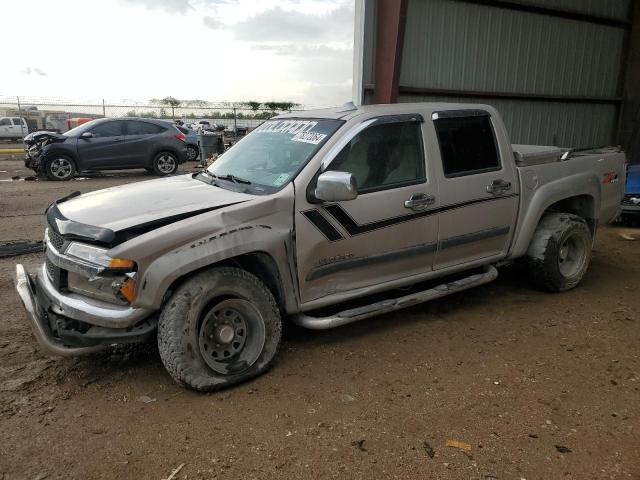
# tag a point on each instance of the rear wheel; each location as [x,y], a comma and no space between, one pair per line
[560,251]
[165,163]
[192,153]
[60,167]
[219,328]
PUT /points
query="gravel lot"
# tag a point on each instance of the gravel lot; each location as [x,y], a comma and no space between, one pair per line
[541,386]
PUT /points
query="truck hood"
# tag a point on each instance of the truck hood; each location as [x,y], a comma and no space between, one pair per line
[145,203]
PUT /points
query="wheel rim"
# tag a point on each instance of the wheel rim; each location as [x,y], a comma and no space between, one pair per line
[166,163]
[232,336]
[191,153]
[61,168]
[572,255]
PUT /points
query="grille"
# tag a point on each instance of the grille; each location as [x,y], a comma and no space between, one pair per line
[56,239]
[51,269]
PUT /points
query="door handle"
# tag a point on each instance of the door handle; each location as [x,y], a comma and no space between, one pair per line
[498,186]
[419,201]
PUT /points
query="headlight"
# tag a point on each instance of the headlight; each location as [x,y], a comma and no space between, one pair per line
[98,256]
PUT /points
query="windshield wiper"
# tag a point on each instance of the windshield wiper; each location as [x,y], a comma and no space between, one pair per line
[231,178]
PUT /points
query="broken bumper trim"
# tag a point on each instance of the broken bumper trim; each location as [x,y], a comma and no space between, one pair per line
[88,310]
[25,288]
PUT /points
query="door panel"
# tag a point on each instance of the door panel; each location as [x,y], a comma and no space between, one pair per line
[141,138]
[478,189]
[376,237]
[105,149]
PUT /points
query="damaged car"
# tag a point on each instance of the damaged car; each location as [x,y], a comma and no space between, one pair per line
[107,144]
[320,218]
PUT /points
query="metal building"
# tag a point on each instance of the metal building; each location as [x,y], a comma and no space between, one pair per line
[561,72]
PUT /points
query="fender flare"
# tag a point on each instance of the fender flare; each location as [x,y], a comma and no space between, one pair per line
[581,184]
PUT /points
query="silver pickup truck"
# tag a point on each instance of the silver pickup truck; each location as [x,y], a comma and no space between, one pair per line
[324,218]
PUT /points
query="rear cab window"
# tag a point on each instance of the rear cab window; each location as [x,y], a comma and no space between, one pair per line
[467,142]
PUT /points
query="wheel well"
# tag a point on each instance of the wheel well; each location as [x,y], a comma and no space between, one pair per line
[580,205]
[260,264]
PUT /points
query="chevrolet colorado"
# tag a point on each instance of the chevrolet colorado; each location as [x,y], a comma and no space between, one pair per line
[323,217]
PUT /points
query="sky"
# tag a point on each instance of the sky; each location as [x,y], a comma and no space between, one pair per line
[215,50]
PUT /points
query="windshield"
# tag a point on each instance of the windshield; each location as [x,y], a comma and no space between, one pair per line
[77,131]
[270,156]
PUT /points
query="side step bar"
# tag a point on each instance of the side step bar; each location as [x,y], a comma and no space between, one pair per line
[385,306]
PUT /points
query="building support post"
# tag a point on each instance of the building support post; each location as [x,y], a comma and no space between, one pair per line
[391,18]
[628,134]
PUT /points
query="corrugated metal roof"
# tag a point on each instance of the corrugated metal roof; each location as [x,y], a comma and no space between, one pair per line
[546,123]
[618,9]
[464,46]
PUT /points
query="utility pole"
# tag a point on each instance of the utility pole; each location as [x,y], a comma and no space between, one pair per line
[104,112]
[21,120]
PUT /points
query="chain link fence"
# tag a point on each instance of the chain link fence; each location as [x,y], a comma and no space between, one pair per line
[42,113]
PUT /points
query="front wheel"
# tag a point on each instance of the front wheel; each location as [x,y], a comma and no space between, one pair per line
[60,168]
[219,328]
[559,254]
[165,163]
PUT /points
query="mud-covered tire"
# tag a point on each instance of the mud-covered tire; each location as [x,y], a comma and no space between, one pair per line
[60,168]
[559,253]
[182,323]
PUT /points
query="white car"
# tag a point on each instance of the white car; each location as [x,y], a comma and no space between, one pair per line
[13,128]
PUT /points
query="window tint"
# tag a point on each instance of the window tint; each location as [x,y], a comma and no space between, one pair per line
[107,129]
[143,128]
[467,145]
[383,156]
[16,121]
[5,121]
[183,129]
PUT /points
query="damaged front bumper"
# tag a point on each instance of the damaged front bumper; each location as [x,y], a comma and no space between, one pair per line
[69,324]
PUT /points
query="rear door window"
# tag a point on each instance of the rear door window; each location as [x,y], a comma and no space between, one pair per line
[143,128]
[17,121]
[386,155]
[108,129]
[467,143]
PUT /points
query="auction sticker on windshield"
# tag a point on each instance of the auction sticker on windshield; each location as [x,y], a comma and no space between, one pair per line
[308,137]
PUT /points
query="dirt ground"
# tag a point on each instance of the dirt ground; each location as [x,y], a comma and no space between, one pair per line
[541,386]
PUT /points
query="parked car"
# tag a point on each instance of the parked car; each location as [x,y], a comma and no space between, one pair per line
[631,201]
[13,128]
[191,142]
[107,144]
[236,132]
[324,217]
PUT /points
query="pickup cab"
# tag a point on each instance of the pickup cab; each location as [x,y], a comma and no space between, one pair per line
[13,128]
[320,218]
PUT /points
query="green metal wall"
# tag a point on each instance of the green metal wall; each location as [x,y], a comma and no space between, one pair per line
[464,46]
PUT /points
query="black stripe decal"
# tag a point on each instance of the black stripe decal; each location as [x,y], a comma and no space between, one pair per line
[354,228]
[323,225]
[350,263]
[473,237]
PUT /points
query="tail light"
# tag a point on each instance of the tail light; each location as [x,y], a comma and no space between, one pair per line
[181,136]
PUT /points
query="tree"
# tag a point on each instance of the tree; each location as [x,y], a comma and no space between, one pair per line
[253,105]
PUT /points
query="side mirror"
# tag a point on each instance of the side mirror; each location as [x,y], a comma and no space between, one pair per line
[86,135]
[335,186]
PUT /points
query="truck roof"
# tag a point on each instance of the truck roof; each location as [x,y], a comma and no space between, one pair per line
[349,110]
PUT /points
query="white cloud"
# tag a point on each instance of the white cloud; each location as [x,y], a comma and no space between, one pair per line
[218,50]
